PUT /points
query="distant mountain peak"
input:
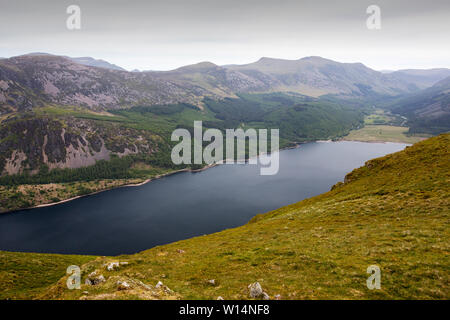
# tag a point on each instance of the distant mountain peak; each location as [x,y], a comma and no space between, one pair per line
[87,61]
[201,66]
[37,54]
[314,58]
[266,59]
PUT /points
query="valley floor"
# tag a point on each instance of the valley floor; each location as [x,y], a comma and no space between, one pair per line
[383,133]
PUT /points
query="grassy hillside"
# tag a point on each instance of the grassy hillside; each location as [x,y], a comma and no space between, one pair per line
[393,212]
[23,275]
[428,111]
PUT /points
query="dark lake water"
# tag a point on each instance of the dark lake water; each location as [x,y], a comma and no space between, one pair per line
[128,220]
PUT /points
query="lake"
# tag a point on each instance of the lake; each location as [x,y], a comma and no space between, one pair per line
[183,205]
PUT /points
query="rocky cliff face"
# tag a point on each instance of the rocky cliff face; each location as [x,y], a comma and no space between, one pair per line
[27,144]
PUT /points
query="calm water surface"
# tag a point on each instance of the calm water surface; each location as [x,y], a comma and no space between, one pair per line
[128,220]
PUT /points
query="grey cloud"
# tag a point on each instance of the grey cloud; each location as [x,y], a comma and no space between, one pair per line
[149,34]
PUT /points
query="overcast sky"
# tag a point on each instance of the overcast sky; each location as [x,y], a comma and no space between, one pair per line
[166,34]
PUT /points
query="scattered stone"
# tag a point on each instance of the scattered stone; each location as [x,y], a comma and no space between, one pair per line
[255,290]
[94,279]
[219,298]
[278,297]
[212,281]
[115,265]
[123,285]
[85,292]
[180,251]
[112,266]
[160,285]
[143,285]
[265,296]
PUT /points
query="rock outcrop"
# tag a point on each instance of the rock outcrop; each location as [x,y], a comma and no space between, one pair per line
[30,143]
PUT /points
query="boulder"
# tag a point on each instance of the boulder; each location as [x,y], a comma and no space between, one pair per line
[112,266]
[123,285]
[94,279]
[161,286]
[255,290]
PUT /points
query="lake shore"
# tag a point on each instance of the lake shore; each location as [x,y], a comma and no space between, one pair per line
[147,216]
[43,205]
[145,181]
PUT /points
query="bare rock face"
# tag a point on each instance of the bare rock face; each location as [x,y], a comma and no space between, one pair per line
[30,143]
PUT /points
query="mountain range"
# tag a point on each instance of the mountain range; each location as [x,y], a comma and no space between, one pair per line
[84,114]
[39,79]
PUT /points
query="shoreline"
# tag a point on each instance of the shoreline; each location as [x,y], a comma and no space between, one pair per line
[209,166]
[294,145]
[43,205]
[373,141]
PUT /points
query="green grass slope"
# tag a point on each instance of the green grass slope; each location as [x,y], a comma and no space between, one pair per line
[24,275]
[393,212]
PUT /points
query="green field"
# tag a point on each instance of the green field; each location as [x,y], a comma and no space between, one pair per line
[384,117]
[383,133]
